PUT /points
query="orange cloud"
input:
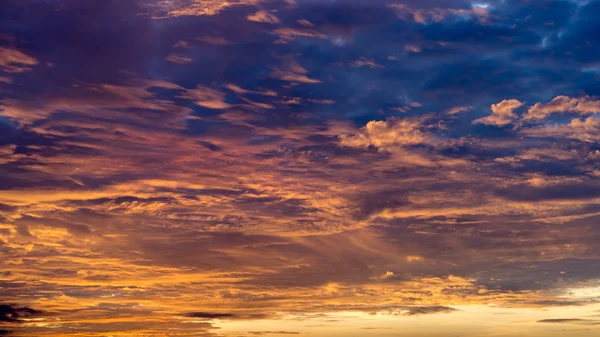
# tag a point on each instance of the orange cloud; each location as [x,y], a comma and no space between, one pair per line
[563,104]
[502,113]
[264,17]
[14,61]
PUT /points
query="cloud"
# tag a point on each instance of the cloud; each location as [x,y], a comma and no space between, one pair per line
[12,313]
[561,105]
[418,310]
[264,17]
[227,316]
[305,23]
[585,130]
[178,59]
[111,97]
[240,90]
[570,321]
[14,61]
[322,101]
[385,134]
[458,109]
[502,113]
[412,48]
[181,44]
[287,34]
[208,315]
[206,97]
[173,8]
[425,15]
[366,62]
[292,71]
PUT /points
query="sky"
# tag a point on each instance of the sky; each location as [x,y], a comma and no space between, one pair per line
[322,168]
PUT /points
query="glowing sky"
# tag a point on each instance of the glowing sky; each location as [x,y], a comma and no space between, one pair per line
[327,168]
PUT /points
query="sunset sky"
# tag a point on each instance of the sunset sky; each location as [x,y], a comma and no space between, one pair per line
[316,168]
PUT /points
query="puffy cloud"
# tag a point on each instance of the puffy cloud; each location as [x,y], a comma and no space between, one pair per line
[502,113]
[386,134]
[563,104]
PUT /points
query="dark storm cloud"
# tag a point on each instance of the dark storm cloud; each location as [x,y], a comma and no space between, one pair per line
[209,315]
[228,316]
[13,313]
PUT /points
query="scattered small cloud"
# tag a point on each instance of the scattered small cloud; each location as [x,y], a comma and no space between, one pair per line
[412,48]
[292,71]
[264,17]
[366,62]
[173,58]
[287,34]
[321,101]
[206,97]
[240,90]
[458,109]
[305,23]
[181,44]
